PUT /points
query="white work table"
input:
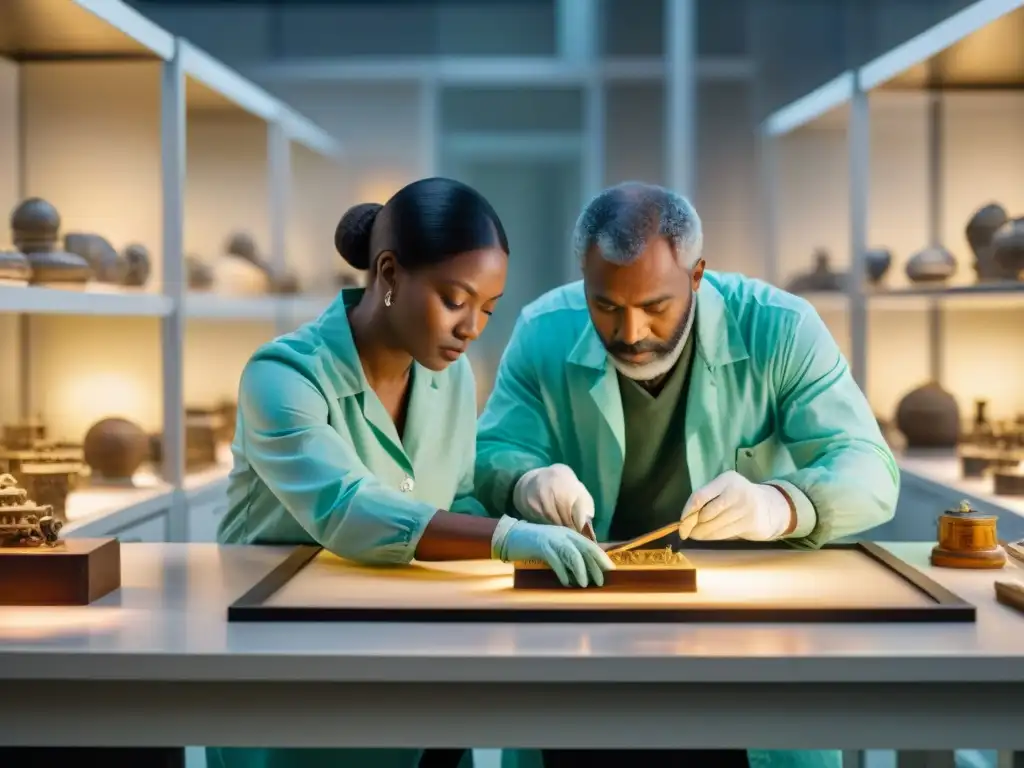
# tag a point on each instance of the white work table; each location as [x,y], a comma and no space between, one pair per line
[157,663]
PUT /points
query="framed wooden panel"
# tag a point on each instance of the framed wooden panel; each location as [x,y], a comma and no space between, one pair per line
[855,582]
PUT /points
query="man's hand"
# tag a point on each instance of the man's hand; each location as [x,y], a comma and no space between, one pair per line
[732,507]
[553,495]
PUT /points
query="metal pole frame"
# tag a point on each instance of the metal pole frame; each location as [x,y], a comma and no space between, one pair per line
[936,191]
[859,149]
[172,326]
[681,96]
[279,186]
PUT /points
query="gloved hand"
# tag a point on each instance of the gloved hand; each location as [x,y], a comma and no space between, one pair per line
[553,495]
[732,507]
[575,559]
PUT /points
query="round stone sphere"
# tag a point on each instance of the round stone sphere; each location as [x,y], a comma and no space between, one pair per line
[114,448]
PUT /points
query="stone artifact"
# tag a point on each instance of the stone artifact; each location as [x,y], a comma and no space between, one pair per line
[198,273]
[876,263]
[934,264]
[36,225]
[25,436]
[14,268]
[241,245]
[1008,248]
[137,265]
[114,449]
[929,417]
[820,278]
[636,570]
[980,230]
[1008,479]
[107,265]
[50,482]
[967,539]
[23,523]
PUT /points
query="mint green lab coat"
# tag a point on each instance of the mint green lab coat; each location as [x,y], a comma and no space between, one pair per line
[770,397]
[317,459]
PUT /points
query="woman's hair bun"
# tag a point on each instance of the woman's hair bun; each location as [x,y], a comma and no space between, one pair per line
[352,237]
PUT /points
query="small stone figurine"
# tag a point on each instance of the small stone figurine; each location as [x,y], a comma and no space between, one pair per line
[35,225]
[24,523]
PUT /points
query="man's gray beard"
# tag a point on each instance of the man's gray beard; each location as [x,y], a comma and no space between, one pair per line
[660,365]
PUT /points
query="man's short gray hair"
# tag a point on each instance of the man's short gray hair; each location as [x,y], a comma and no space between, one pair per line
[622,219]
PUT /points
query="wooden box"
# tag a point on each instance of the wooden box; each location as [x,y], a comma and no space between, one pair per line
[75,572]
[636,570]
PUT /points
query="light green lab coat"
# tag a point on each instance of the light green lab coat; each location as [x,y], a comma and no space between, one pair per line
[770,397]
[317,459]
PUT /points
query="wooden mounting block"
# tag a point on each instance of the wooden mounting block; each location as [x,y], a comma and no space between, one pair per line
[74,572]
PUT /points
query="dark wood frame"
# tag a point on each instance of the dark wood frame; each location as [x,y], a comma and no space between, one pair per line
[945,606]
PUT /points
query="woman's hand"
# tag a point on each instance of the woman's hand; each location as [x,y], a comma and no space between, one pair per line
[575,559]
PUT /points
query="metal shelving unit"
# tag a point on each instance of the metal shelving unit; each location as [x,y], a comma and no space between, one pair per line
[160,81]
[978,51]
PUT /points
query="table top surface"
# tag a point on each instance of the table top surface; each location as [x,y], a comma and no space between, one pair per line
[169,622]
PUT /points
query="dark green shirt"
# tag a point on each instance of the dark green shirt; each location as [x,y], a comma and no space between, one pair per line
[655,479]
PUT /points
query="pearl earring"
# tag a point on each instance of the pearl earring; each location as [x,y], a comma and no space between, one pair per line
[387,299]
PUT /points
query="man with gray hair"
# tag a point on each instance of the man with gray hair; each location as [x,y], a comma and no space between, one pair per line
[655,391]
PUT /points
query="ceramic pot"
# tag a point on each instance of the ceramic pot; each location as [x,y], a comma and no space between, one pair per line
[1008,248]
[107,265]
[876,263]
[929,417]
[820,278]
[981,227]
[198,273]
[35,225]
[14,268]
[114,448]
[137,265]
[934,264]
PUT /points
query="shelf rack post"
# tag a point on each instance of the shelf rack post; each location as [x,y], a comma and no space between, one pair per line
[681,84]
[936,191]
[859,150]
[279,174]
[172,326]
[768,148]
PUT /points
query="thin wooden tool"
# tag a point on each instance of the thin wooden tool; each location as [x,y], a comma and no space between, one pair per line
[588,531]
[1011,593]
[639,541]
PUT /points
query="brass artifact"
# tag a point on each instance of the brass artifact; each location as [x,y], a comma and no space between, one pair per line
[24,523]
[114,449]
[14,268]
[967,539]
[933,264]
[36,224]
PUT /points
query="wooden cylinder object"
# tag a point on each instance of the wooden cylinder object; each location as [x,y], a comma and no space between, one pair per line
[967,539]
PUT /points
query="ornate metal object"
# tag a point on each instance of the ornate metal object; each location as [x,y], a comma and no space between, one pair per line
[24,523]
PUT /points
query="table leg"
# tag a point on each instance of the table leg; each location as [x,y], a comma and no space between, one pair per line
[925,759]
[1009,759]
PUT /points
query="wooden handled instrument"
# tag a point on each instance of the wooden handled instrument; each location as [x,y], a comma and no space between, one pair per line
[646,538]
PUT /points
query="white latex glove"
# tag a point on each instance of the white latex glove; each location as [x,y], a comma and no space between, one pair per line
[555,496]
[732,507]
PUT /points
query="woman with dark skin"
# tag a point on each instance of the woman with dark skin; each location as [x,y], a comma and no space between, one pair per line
[357,432]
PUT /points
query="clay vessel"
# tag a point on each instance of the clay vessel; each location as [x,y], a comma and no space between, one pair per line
[137,265]
[876,263]
[1008,248]
[114,448]
[820,278]
[35,224]
[979,232]
[107,265]
[934,264]
[929,417]
[14,268]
